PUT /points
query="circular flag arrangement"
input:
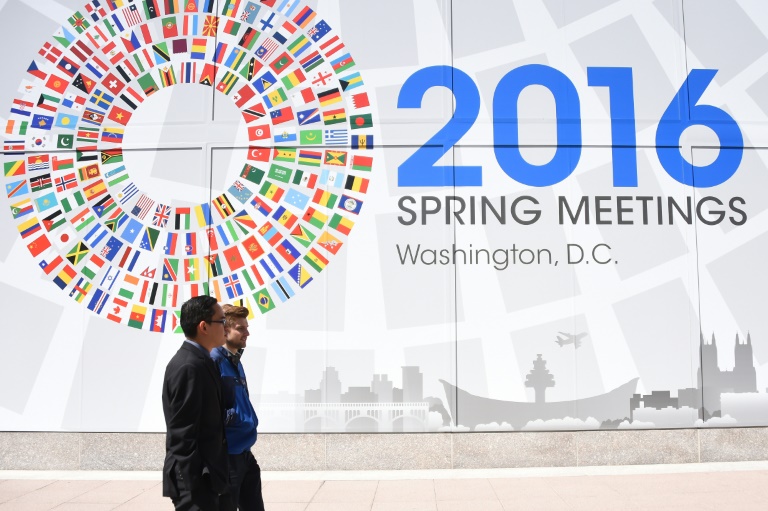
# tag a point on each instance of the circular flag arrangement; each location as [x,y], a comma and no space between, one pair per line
[131,255]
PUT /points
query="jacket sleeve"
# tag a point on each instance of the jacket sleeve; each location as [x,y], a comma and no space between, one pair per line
[184,424]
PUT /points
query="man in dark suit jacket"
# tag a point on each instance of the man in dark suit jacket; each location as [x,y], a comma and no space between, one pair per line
[195,474]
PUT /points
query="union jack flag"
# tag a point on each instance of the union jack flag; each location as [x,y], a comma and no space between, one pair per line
[162,214]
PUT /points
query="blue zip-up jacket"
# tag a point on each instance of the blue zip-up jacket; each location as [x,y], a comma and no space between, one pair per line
[241,420]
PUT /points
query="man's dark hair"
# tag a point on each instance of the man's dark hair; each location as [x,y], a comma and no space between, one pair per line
[195,310]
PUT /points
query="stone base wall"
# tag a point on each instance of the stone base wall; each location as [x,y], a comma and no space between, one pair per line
[343,451]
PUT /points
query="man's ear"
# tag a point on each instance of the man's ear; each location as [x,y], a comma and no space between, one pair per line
[202,328]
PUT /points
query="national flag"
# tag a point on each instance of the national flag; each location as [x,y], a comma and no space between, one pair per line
[302,235]
[42,122]
[311,137]
[161,53]
[281,115]
[364,163]
[234,258]
[223,206]
[299,46]
[262,207]
[138,314]
[148,84]
[22,208]
[284,217]
[311,61]
[143,206]
[304,17]
[316,260]
[65,276]
[149,239]
[167,76]
[50,52]
[271,191]
[14,168]
[66,121]
[170,29]
[252,247]
[338,158]
[227,82]
[360,121]
[319,30]
[252,174]
[324,198]
[188,72]
[275,97]
[296,198]
[361,141]
[112,135]
[66,182]
[259,132]
[270,233]
[360,100]
[208,74]
[39,245]
[232,286]
[281,62]
[251,67]
[310,116]
[342,63]
[170,269]
[285,135]
[48,267]
[46,202]
[264,82]
[72,202]
[303,96]
[264,301]
[182,218]
[240,192]
[253,113]
[161,216]
[329,97]
[93,116]
[41,182]
[203,214]
[336,136]
[158,320]
[78,22]
[119,115]
[267,48]
[300,275]
[198,48]
[191,269]
[350,82]
[314,217]
[29,227]
[190,243]
[294,78]
[334,116]
[245,222]
[89,172]
[78,252]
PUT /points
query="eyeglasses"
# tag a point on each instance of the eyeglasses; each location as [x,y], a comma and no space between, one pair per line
[222,321]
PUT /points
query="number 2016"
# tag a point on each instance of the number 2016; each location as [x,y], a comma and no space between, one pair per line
[683,112]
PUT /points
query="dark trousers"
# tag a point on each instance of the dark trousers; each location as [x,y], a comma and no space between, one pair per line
[201,498]
[245,482]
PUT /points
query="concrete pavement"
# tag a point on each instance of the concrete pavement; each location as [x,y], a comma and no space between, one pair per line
[706,486]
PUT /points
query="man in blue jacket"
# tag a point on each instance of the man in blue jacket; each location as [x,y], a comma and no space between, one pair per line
[241,421]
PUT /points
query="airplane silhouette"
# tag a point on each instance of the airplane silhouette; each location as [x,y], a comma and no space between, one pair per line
[566,338]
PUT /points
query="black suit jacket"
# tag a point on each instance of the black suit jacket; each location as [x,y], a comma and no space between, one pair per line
[195,444]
